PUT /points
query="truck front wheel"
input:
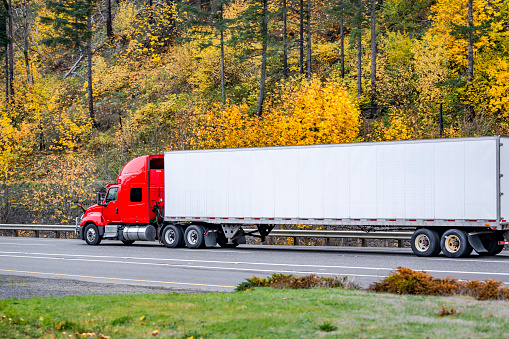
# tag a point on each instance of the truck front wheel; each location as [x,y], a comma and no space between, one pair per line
[195,236]
[173,236]
[425,243]
[92,236]
[454,244]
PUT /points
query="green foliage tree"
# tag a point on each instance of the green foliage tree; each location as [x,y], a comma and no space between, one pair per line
[73,30]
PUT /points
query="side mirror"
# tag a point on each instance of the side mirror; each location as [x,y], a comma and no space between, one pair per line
[99,199]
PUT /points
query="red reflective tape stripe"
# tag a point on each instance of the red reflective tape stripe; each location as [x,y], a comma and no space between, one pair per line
[392,219]
[319,219]
[271,218]
[256,218]
[240,218]
[372,219]
[197,217]
[339,219]
[413,219]
[492,221]
[304,219]
[356,219]
[430,220]
[452,220]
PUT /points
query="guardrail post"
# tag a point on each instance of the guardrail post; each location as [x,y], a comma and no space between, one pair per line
[16,233]
[295,243]
[400,243]
[57,234]
[363,242]
[37,234]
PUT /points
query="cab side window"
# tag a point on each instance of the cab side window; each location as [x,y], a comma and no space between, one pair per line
[112,194]
[136,195]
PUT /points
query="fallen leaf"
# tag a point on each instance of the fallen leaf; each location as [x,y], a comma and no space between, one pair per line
[156,332]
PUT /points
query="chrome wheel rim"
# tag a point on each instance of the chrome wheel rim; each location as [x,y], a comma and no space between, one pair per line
[192,237]
[452,243]
[170,236]
[422,242]
[91,234]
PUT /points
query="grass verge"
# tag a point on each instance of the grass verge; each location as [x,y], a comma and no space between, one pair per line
[255,313]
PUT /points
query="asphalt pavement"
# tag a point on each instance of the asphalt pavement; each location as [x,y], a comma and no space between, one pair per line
[148,264]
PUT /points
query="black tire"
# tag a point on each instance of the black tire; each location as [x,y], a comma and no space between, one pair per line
[454,244]
[490,243]
[223,242]
[173,236]
[425,243]
[91,235]
[195,236]
[128,242]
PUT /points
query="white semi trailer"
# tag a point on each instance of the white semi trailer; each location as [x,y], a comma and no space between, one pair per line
[451,191]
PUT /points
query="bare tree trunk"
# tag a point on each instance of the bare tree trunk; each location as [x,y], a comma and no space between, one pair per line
[109,27]
[89,75]
[25,43]
[470,75]
[223,98]
[359,54]
[308,19]
[373,56]
[301,37]
[342,42]
[285,43]
[261,95]
[11,54]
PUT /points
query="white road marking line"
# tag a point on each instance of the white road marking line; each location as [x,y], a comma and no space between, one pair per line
[203,261]
[18,244]
[121,279]
[196,266]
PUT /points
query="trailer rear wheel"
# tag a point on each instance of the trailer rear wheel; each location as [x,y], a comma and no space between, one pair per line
[425,243]
[173,236]
[195,236]
[92,236]
[454,244]
[490,243]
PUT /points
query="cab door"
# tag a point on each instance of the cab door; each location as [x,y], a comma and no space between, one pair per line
[110,207]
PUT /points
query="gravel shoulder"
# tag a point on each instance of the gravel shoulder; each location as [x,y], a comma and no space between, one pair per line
[13,286]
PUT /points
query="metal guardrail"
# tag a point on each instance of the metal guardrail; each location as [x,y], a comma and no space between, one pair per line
[37,228]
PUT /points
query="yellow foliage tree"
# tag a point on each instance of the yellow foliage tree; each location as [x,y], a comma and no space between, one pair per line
[307,112]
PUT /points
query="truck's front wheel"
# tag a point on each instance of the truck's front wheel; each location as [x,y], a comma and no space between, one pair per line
[173,236]
[92,236]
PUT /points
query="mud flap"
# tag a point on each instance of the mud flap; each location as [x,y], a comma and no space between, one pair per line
[210,238]
[476,243]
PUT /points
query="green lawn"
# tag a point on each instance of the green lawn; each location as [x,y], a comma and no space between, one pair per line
[256,313]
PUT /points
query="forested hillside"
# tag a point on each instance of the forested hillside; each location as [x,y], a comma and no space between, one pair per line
[89,84]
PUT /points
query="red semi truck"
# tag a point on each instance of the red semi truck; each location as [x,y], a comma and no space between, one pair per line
[450,191]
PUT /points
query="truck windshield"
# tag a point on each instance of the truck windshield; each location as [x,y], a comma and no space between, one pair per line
[112,194]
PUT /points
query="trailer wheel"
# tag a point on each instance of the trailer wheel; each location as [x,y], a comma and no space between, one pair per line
[425,243]
[490,243]
[92,236]
[195,236]
[454,244]
[173,236]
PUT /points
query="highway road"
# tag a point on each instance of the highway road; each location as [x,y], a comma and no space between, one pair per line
[218,269]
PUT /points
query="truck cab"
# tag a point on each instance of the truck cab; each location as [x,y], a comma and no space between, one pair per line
[132,208]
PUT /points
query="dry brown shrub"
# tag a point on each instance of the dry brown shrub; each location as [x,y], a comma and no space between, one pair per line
[445,311]
[407,281]
[293,282]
